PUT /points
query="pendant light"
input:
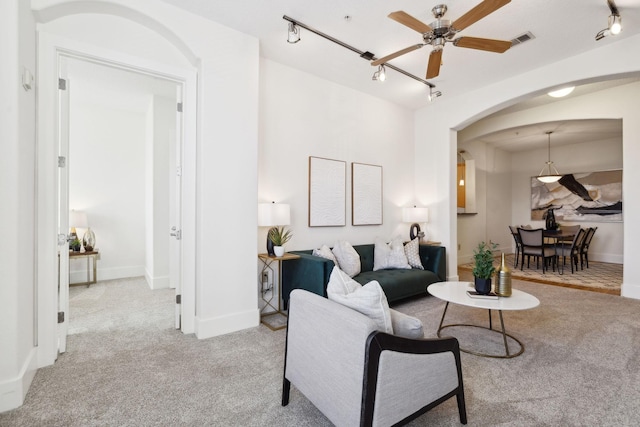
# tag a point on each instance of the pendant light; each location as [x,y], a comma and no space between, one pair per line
[552,174]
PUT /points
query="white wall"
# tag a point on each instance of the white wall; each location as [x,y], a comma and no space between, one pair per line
[107,181]
[17,210]
[301,116]
[437,125]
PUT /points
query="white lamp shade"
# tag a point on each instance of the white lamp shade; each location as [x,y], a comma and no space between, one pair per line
[414,214]
[273,214]
[78,219]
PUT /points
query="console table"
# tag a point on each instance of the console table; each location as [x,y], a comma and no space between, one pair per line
[89,255]
[276,319]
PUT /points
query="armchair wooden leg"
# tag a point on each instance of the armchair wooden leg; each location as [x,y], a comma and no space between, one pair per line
[286,387]
[462,409]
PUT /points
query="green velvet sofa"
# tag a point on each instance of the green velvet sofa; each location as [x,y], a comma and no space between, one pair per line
[312,273]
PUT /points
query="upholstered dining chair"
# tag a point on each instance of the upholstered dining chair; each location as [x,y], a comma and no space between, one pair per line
[571,250]
[516,238]
[533,246]
[569,229]
[584,250]
[357,375]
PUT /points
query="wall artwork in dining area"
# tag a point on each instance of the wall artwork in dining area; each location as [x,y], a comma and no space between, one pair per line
[591,196]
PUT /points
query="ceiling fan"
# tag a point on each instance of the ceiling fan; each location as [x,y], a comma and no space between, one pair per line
[442,30]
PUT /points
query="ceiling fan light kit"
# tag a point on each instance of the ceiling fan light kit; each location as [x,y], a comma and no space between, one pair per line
[614,21]
[550,176]
[441,31]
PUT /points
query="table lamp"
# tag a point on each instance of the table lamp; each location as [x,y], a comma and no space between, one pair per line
[415,216]
[273,215]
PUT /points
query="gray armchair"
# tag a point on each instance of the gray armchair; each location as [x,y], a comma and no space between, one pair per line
[357,375]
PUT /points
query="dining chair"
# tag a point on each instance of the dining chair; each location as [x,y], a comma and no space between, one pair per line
[569,229]
[516,238]
[584,250]
[571,250]
[533,245]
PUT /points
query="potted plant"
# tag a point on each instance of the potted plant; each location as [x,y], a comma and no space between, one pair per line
[279,236]
[75,245]
[483,268]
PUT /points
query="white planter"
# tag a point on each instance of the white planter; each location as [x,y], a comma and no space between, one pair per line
[278,250]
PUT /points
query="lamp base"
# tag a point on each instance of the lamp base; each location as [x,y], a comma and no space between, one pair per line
[270,251]
[415,231]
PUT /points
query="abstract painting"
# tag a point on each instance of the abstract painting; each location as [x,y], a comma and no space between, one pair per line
[327,192]
[366,194]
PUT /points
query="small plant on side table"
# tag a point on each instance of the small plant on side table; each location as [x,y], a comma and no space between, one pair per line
[279,236]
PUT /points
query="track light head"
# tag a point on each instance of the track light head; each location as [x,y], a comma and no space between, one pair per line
[380,75]
[293,35]
[433,94]
[614,26]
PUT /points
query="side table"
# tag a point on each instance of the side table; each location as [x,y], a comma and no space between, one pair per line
[95,256]
[276,319]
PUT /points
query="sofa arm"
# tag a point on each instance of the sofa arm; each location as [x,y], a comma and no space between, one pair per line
[309,272]
[434,258]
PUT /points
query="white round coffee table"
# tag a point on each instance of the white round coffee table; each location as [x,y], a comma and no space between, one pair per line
[456,292]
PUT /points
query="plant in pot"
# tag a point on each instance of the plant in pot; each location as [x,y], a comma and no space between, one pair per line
[483,268]
[75,245]
[279,236]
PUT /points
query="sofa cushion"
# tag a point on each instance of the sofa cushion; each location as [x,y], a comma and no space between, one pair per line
[348,258]
[412,251]
[405,325]
[389,255]
[369,299]
[324,251]
[399,284]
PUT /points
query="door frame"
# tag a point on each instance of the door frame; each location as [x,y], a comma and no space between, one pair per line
[50,50]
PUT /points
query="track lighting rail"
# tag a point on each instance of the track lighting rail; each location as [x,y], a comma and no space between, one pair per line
[365,55]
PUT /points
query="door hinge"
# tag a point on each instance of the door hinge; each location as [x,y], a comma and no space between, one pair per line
[179,107]
[62,84]
[62,161]
[178,299]
[176,233]
[61,317]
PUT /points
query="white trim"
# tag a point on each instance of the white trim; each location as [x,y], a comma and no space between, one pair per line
[14,391]
[50,48]
[214,326]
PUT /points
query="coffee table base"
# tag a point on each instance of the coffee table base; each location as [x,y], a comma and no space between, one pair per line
[507,355]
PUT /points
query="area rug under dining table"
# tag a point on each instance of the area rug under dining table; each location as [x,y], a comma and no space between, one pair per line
[599,277]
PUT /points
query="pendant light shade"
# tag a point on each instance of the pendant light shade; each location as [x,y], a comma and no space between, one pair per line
[549,173]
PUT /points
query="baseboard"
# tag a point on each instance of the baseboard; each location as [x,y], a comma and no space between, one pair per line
[13,392]
[214,326]
[160,282]
[629,290]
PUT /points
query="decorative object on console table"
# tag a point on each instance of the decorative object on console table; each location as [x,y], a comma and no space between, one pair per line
[77,219]
[273,215]
[279,236]
[483,268]
[276,319]
[415,216]
[503,287]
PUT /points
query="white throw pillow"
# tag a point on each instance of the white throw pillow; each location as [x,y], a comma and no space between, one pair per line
[389,255]
[348,258]
[412,251]
[405,325]
[324,251]
[369,299]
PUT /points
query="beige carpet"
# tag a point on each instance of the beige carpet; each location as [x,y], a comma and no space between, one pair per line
[599,277]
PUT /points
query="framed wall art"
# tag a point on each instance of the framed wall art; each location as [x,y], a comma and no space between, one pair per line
[590,196]
[366,194]
[327,192]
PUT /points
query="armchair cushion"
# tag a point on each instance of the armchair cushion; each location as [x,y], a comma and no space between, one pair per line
[405,325]
[369,299]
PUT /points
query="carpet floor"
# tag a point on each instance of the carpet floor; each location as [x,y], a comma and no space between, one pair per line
[599,277]
[127,366]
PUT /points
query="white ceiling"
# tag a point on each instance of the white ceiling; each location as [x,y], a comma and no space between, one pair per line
[561,29]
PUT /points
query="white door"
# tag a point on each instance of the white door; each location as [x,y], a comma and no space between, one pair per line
[175,216]
[63,204]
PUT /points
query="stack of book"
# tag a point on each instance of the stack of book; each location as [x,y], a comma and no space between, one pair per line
[474,294]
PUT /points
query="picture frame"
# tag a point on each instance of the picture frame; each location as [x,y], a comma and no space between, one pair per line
[366,194]
[327,192]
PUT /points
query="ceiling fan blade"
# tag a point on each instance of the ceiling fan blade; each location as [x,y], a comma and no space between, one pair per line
[388,58]
[409,21]
[435,59]
[490,45]
[477,13]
